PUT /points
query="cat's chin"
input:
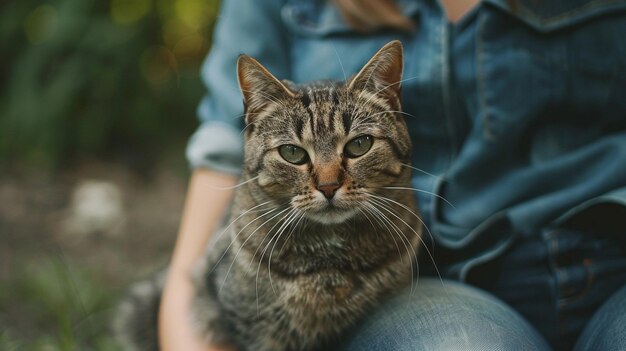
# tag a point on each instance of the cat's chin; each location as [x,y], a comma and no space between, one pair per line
[330,217]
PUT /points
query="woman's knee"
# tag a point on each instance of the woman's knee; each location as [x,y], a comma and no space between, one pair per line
[444,316]
[607,328]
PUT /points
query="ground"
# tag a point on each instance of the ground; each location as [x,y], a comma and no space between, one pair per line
[59,280]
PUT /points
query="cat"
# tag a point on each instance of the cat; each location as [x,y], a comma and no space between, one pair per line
[319,231]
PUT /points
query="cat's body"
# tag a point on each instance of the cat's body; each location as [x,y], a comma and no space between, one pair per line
[318,287]
[320,228]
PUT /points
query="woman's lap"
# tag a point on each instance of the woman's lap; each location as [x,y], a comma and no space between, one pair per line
[541,284]
[444,316]
[607,328]
[559,281]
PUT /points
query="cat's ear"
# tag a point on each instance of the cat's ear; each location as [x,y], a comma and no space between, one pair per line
[258,86]
[382,75]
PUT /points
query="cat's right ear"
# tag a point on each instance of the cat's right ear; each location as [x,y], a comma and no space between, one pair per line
[259,87]
[382,74]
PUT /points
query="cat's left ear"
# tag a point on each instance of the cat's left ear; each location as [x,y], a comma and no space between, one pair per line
[258,86]
[382,75]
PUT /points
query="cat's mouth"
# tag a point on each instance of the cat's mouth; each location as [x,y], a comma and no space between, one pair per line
[331,214]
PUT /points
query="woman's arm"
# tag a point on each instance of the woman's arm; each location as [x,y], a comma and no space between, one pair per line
[205,206]
[245,26]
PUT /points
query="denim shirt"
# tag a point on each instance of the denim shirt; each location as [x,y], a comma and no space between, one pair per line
[517,112]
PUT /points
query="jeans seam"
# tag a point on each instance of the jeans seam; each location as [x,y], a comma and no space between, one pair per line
[590,279]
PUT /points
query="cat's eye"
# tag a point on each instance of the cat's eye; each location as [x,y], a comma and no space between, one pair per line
[293,154]
[358,146]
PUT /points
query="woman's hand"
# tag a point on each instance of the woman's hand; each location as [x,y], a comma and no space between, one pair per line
[208,197]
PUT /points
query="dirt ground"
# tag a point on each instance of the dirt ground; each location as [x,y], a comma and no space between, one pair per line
[62,271]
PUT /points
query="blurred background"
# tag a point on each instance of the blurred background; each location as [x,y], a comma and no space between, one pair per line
[97,100]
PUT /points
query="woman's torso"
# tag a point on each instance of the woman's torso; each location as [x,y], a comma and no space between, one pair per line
[516,111]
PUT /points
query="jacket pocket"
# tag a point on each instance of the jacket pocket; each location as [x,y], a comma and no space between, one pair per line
[553,15]
[550,73]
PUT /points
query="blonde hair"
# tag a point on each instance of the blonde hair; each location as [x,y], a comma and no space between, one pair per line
[371,15]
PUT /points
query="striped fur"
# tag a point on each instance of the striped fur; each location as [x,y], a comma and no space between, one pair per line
[296,268]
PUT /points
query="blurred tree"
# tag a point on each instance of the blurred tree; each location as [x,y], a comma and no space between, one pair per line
[84,79]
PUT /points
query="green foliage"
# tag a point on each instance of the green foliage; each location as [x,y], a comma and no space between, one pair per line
[104,79]
[58,305]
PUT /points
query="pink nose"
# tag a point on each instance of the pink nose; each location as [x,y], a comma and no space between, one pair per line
[328,189]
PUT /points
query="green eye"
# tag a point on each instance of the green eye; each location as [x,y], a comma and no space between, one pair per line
[293,154]
[358,146]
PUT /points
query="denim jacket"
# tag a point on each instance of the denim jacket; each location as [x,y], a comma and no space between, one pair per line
[518,112]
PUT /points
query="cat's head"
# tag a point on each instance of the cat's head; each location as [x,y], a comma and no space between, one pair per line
[325,148]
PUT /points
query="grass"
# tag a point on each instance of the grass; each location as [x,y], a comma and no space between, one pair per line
[58,289]
[50,304]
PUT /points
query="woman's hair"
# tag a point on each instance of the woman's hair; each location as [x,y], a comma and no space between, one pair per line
[370,15]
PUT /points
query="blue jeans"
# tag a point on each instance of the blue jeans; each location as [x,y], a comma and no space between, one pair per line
[442,316]
[563,290]
[454,316]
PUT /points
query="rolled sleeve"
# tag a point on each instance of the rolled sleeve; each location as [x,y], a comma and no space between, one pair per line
[245,26]
[216,146]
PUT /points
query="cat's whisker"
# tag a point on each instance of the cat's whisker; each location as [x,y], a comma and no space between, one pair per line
[420,191]
[225,230]
[234,239]
[236,185]
[405,241]
[389,209]
[305,225]
[269,262]
[381,217]
[382,225]
[293,229]
[345,77]
[367,217]
[285,224]
[244,244]
[430,254]
[409,210]
[395,226]
[421,171]
[411,251]
[278,222]
[263,253]
[395,213]
[432,258]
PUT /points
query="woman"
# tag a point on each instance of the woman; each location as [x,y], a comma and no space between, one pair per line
[517,120]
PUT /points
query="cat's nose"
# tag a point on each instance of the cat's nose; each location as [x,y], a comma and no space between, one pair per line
[328,189]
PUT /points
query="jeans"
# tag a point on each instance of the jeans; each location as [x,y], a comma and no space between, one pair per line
[562,290]
[445,316]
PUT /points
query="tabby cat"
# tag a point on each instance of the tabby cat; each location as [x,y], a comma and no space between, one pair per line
[319,232]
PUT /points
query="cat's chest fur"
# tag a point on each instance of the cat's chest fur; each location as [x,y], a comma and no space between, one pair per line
[297,312]
[299,297]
